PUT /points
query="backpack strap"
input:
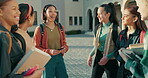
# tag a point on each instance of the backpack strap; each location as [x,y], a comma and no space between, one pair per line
[142,36]
[115,33]
[10,40]
[41,31]
[22,40]
[60,26]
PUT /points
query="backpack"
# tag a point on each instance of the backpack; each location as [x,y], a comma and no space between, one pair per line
[10,40]
[21,39]
[42,29]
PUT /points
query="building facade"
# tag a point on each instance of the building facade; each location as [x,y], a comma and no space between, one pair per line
[73,14]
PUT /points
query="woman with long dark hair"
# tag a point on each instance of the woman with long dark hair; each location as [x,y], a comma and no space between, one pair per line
[52,41]
[105,36]
[133,34]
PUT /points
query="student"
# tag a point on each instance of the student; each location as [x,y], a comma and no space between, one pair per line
[104,36]
[26,21]
[139,70]
[9,15]
[130,35]
[52,41]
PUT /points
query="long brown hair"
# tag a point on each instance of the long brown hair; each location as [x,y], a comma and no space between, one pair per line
[139,23]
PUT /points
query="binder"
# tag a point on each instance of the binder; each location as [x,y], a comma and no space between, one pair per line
[33,58]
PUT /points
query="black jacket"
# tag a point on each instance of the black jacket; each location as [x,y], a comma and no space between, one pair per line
[122,41]
[9,61]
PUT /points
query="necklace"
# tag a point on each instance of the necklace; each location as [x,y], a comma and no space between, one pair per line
[51,29]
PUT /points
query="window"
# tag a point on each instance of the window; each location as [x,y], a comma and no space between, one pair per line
[75,20]
[35,18]
[70,20]
[80,20]
[76,0]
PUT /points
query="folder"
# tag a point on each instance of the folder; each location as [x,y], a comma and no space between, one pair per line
[33,58]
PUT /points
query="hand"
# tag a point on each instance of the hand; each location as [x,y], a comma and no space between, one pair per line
[124,57]
[63,51]
[54,52]
[36,74]
[89,61]
[103,60]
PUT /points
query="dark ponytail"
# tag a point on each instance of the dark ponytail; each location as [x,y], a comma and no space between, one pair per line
[113,17]
[110,8]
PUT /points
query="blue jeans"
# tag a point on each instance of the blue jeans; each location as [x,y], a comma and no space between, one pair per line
[55,68]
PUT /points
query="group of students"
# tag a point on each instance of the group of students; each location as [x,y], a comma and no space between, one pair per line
[14,21]
[109,39]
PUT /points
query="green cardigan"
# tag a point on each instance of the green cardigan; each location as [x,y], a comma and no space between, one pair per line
[139,70]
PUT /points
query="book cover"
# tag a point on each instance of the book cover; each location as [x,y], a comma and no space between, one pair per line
[33,58]
[140,45]
[130,54]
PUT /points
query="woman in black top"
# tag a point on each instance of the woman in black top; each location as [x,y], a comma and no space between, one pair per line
[9,15]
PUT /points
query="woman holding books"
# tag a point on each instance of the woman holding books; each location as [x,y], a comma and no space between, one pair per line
[9,57]
[139,68]
[26,21]
[52,41]
[104,41]
[131,35]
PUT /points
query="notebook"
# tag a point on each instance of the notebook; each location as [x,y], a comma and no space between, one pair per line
[30,60]
[130,54]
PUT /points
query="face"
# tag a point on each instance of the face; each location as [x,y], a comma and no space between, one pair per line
[128,18]
[51,14]
[143,4]
[9,13]
[102,15]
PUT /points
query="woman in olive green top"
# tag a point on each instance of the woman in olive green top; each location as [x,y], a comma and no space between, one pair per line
[104,42]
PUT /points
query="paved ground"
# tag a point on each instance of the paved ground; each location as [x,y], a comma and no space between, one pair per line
[76,57]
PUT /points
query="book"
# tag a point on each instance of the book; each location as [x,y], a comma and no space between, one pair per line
[137,48]
[139,45]
[27,65]
[130,54]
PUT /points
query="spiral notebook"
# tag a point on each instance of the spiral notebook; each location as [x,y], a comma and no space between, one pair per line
[31,59]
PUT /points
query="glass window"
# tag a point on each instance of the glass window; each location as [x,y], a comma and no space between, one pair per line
[70,20]
[75,21]
[80,20]
[75,0]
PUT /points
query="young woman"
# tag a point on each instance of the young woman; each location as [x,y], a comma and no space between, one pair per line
[9,15]
[131,35]
[105,37]
[53,42]
[20,31]
[139,70]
